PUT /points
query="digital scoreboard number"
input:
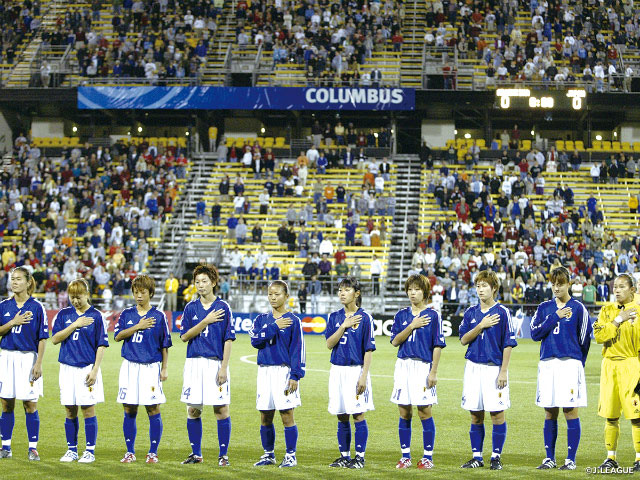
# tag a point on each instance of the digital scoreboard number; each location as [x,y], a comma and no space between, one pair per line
[523,98]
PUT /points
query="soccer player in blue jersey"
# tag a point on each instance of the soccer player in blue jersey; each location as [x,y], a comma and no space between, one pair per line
[80,330]
[488,330]
[281,362]
[417,331]
[349,336]
[145,350]
[207,324]
[24,330]
[562,325]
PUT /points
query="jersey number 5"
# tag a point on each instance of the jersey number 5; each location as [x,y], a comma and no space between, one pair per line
[343,340]
[137,337]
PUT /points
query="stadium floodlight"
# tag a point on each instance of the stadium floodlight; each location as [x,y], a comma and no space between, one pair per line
[139,129]
[598,137]
[74,129]
[467,135]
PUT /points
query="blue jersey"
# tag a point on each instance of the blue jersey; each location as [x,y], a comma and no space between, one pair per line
[79,348]
[209,342]
[24,338]
[490,344]
[352,346]
[423,340]
[144,346]
[278,346]
[562,337]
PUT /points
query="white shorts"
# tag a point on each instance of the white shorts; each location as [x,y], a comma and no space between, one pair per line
[480,388]
[73,389]
[140,384]
[561,383]
[343,381]
[199,385]
[273,380]
[410,383]
[15,376]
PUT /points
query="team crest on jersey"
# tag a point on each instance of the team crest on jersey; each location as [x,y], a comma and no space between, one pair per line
[31,383]
[499,394]
[357,397]
[572,391]
[153,389]
[90,389]
[425,389]
[220,389]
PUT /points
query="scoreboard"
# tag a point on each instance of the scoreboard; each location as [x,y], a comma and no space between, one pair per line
[525,99]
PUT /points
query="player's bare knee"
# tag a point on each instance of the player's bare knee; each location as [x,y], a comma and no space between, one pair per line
[221,411]
[193,412]
[497,418]
[552,413]
[266,417]
[405,412]
[287,417]
[358,417]
[477,417]
[8,404]
[152,409]
[570,413]
[131,410]
[72,411]
[343,417]
[88,411]
[424,412]
[30,407]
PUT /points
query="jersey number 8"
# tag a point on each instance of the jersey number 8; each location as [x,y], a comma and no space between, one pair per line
[137,337]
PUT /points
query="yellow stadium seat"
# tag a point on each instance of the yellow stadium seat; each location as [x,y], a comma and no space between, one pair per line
[626,147]
[597,145]
[451,142]
[182,142]
[568,145]
[172,141]
[239,142]
[636,146]
[153,141]
[481,143]
[37,142]
[616,147]
[65,141]
[606,145]
[469,142]
[268,142]
[279,142]
[47,142]
[460,142]
[163,141]
[230,141]
[579,144]
[526,144]
[261,141]
[559,145]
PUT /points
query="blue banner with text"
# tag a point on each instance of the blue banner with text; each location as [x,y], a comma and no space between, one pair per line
[246,98]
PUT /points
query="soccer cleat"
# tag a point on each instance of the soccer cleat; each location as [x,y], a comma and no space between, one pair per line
[33,455]
[496,464]
[192,458]
[128,458]
[547,464]
[342,462]
[636,466]
[69,457]
[152,458]
[473,463]
[568,465]
[4,453]
[357,462]
[289,460]
[223,461]
[87,457]
[425,464]
[404,462]
[266,459]
[608,464]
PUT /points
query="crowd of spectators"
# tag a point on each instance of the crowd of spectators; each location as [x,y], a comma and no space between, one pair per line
[88,213]
[153,39]
[498,227]
[333,39]
[565,42]
[18,20]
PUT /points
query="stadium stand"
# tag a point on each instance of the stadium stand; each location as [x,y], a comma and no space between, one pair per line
[99,212]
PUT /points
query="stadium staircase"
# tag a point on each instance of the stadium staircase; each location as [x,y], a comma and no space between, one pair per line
[407,207]
[20,75]
[216,70]
[415,27]
[170,252]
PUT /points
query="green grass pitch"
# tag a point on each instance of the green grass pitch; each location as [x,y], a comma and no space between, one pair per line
[317,445]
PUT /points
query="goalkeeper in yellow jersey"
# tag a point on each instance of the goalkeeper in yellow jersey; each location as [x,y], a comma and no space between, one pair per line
[618,329]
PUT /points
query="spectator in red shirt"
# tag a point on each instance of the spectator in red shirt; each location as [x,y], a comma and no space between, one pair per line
[488,234]
[340,256]
[462,210]
[524,168]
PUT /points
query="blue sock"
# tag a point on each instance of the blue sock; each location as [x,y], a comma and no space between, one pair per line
[224,434]
[268,437]
[344,438]
[428,437]
[404,433]
[91,432]
[71,432]
[33,428]
[573,438]
[291,438]
[550,434]
[7,422]
[498,437]
[155,432]
[130,430]
[476,434]
[194,430]
[361,436]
